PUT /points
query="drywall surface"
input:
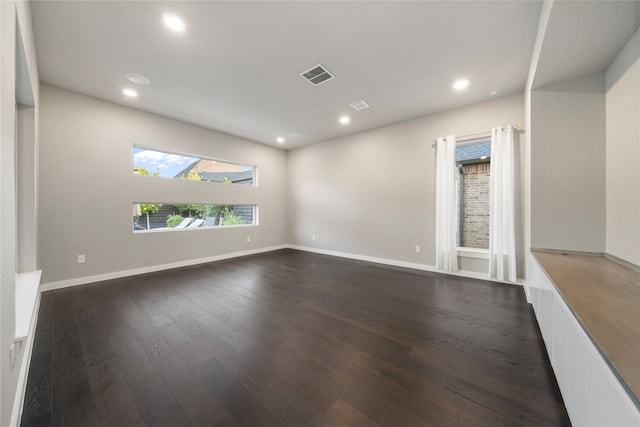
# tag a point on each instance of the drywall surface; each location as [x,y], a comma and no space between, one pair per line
[18,79]
[373,193]
[87,189]
[623,154]
[8,377]
[567,165]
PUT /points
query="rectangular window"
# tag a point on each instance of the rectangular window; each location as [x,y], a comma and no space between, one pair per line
[193,168]
[166,216]
[473,161]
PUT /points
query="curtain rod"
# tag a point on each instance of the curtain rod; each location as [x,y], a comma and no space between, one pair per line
[473,136]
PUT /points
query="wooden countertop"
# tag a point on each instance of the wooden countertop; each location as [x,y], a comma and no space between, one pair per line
[606,299]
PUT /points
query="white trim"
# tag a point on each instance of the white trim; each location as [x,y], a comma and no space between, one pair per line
[25,361]
[527,293]
[543,24]
[150,269]
[153,268]
[473,253]
[479,138]
[27,304]
[183,154]
[202,227]
[397,263]
[622,262]
[26,293]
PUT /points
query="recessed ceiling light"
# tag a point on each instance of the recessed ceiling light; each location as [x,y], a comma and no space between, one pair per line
[130,93]
[173,22]
[345,120]
[494,92]
[461,84]
[138,78]
[280,140]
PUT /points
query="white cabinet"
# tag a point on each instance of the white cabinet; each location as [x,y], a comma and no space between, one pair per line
[592,393]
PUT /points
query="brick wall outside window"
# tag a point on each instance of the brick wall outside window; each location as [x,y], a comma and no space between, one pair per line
[475,223]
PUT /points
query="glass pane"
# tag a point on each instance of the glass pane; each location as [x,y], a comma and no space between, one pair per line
[473,153]
[473,181]
[157,163]
[165,216]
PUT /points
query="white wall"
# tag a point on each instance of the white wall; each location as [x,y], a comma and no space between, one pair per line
[623,154]
[373,193]
[567,165]
[15,75]
[87,189]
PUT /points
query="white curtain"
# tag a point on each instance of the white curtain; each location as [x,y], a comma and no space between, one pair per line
[446,252]
[502,230]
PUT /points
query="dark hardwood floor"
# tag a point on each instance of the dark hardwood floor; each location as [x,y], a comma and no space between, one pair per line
[290,338]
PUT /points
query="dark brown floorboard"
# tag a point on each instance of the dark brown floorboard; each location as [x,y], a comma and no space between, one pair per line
[294,339]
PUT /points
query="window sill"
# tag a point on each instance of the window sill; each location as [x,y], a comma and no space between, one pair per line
[26,296]
[171,230]
[473,253]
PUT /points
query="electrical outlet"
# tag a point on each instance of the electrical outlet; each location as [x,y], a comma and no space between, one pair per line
[313,237]
[417,249]
[248,239]
[81,259]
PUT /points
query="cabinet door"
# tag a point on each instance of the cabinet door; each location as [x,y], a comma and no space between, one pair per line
[592,393]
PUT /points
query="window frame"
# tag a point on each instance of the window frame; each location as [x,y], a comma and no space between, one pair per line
[468,251]
[255,215]
[254,168]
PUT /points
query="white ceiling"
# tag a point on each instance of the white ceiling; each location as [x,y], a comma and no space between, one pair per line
[584,37]
[236,67]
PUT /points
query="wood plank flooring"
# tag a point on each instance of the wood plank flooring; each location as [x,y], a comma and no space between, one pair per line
[290,338]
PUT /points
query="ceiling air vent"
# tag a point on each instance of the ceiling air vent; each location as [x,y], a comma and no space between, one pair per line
[316,75]
[360,105]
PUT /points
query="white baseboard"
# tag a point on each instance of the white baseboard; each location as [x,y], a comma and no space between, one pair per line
[152,268]
[527,293]
[397,263]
